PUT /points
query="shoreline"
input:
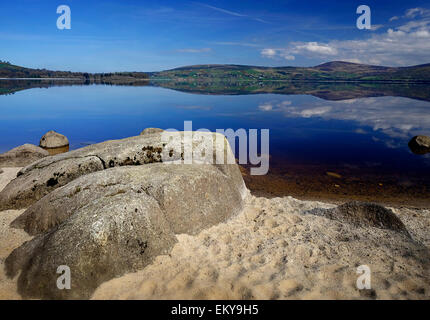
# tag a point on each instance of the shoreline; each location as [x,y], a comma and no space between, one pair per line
[333,188]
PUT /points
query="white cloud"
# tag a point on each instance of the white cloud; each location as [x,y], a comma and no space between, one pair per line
[268,53]
[315,47]
[414,12]
[407,44]
[375,27]
[287,56]
[276,54]
[394,18]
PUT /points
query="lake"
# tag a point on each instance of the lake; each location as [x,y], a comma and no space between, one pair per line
[321,147]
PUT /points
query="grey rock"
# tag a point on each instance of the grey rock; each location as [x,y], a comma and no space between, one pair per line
[115,221]
[363,214]
[40,178]
[53,139]
[420,144]
[1,171]
[22,156]
[151,131]
[35,184]
[104,239]
[192,196]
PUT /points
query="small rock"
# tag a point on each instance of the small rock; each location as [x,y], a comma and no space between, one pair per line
[22,156]
[333,174]
[1,171]
[53,139]
[420,144]
[151,131]
[363,214]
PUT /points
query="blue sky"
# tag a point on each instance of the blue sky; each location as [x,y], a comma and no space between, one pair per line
[157,35]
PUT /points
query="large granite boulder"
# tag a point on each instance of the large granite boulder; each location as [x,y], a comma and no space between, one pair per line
[40,178]
[52,139]
[101,240]
[116,220]
[22,156]
[192,197]
[34,184]
[420,144]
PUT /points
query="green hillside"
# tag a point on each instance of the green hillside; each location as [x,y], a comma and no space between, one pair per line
[8,70]
[332,71]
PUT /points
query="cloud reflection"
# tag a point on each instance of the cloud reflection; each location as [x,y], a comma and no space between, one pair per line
[397,117]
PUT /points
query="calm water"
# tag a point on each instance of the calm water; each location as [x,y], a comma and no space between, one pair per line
[363,140]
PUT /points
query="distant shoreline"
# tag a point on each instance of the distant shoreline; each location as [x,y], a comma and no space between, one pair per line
[243,80]
[39,79]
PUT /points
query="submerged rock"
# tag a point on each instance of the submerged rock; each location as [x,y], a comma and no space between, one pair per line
[151,131]
[42,177]
[420,144]
[363,214]
[53,139]
[22,156]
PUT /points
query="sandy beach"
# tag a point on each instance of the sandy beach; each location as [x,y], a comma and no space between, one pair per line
[10,239]
[271,250]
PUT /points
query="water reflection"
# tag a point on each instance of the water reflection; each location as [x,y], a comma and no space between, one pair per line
[398,118]
[319,148]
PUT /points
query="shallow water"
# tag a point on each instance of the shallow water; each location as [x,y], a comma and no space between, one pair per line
[363,141]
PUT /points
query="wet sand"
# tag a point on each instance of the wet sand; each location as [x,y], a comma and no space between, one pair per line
[338,185]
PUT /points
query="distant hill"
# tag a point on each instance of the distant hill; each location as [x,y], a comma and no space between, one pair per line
[331,71]
[212,74]
[8,70]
